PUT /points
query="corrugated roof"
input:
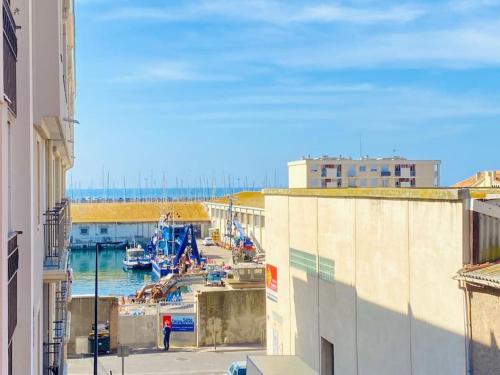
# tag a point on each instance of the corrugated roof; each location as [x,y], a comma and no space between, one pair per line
[136,212]
[485,274]
[244,198]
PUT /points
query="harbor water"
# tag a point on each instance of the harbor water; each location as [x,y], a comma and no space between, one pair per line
[113,280]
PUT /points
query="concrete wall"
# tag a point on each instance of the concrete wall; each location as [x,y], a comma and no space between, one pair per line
[82,318]
[231,317]
[485,322]
[138,331]
[388,304]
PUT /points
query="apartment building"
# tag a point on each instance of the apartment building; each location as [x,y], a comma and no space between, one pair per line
[36,138]
[367,281]
[343,172]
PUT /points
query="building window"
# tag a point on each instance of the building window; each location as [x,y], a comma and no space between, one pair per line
[256,220]
[84,231]
[362,182]
[352,182]
[385,171]
[362,168]
[104,230]
[373,168]
[351,172]
[314,168]
[397,170]
[323,171]
[314,182]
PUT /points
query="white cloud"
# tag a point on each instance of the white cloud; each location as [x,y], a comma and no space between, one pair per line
[274,12]
[168,71]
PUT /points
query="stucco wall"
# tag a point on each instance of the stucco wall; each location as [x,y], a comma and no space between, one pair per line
[391,305]
[231,317]
[82,318]
[485,321]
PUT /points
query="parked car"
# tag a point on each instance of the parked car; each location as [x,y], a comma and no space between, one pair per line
[214,278]
[207,241]
[237,368]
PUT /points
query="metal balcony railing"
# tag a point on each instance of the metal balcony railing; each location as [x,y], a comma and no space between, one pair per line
[9,57]
[53,359]
[56,232]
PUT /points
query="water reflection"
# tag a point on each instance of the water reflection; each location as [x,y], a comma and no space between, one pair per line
[113,280]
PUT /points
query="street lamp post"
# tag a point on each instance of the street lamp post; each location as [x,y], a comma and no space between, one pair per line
[98,246]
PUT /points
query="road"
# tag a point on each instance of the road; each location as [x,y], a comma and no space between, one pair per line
[195,362]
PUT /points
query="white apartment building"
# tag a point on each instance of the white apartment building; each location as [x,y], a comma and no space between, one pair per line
[344,172]
[36,144]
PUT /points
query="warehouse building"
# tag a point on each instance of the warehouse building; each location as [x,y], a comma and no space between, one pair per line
[365,281]
[247,208]
[130,222]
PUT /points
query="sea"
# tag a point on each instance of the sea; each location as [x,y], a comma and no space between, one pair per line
[148,194]
[113,279]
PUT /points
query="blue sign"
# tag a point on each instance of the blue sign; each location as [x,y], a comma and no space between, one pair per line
[182,323]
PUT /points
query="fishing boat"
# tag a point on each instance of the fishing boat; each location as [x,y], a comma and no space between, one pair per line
[136,259]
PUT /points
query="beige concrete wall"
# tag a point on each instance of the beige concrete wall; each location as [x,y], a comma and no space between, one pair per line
[82,318]
[297,175]
[231,317]
[392,306]
[485,322]
[278,312]
[138,331]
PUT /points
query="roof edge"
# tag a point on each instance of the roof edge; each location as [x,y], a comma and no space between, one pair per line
[388,193]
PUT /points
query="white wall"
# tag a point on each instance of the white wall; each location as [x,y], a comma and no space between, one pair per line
[392,306]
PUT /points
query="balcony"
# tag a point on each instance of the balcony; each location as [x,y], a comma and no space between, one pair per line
[56,237]
[53,351]
[9,57]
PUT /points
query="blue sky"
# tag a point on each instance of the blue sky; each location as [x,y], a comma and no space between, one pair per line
[226,87]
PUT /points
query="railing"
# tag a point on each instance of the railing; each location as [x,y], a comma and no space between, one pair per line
[56,227]
[9,57]
[53,359]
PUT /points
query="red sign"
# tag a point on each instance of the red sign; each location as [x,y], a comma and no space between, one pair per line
[166,319]
[271,277]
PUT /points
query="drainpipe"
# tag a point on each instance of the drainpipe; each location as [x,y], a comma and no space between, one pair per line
[468,328]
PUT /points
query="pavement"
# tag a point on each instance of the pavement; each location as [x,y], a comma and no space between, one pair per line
[218,254]
[203,361]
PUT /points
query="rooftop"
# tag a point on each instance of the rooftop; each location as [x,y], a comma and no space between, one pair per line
[447,194]
[245,198]
[487,274]
[363,158]
[136,212]
[481,179]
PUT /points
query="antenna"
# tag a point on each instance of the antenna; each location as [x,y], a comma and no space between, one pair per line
[360,146]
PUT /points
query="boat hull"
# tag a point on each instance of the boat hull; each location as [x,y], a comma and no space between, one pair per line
[136,265]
